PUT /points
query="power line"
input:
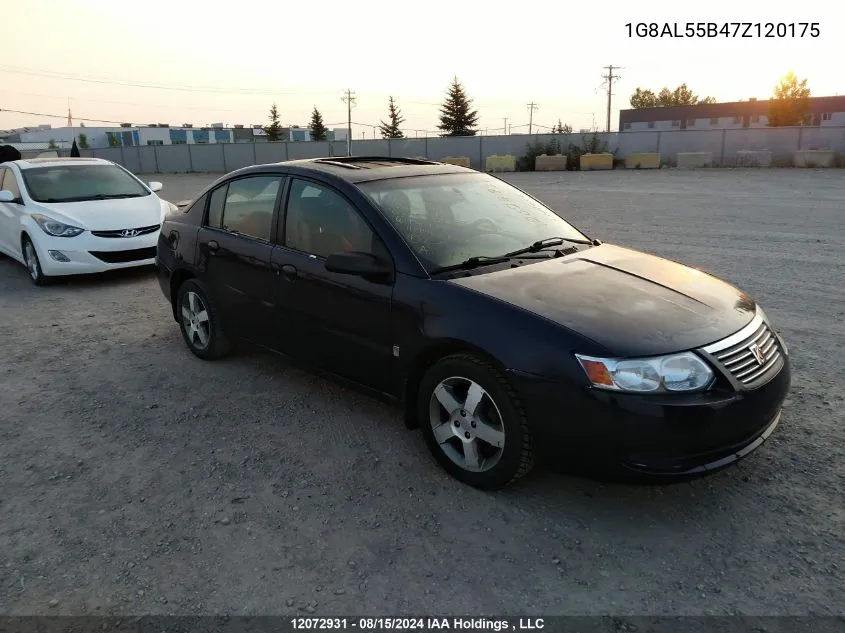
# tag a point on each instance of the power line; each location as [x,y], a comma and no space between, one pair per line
[609,79]
[59,116]
[531,107]
[139,84]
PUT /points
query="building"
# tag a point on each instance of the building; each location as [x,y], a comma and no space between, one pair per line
[823,111]
[62,136]
[127,135]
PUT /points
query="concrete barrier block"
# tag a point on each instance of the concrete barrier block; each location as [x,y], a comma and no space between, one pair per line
[591,162]
[543,162]
[642,160]
[461,161]
[501,163]
[814,158]
[688,160]
[753,158]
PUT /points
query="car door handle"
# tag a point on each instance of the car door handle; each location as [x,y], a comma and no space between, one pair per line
[213,247]
[290,271]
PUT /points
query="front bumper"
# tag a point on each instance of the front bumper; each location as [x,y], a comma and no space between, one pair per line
[670,435]
[87,253]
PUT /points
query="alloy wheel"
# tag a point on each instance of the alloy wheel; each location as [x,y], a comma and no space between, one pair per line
[467,424]
[31,259]
[195,320]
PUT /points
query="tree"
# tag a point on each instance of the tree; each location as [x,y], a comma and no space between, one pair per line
[643,99]
[274,130]
[52,144]
[790,102]
[560,128]
[680,96]
[457,118]
[394,114]
[319,132]
[83,140]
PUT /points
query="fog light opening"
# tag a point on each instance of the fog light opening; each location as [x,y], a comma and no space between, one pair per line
[59,256]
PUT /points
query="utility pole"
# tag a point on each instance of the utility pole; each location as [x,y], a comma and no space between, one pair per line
[531,107]
[609,79]
[505,129]
[349,99]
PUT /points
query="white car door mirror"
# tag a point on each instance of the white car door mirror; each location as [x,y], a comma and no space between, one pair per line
[7,196]
[155,186]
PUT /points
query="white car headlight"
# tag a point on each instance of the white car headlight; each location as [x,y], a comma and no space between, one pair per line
[54,227]
[662,374]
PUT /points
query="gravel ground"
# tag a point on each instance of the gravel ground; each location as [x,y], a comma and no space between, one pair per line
[137,479]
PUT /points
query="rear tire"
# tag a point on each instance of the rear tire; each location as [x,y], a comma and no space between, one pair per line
[473,422]
[33,264]
[200,322]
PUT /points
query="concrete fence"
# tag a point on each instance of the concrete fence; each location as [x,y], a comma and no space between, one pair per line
[727,147]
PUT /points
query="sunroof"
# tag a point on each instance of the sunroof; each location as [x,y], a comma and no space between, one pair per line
[372,162]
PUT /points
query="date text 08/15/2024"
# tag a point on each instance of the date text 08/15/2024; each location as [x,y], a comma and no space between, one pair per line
[723,29]
[417,624]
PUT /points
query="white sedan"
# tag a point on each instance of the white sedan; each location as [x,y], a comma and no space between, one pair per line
[71,216]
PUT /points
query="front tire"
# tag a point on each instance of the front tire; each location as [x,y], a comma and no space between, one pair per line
[474,423]
[200,322]
[33,264]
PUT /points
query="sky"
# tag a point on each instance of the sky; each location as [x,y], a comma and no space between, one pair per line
[203,62]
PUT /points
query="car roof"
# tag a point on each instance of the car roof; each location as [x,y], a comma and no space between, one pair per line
[31,163]
[357,169]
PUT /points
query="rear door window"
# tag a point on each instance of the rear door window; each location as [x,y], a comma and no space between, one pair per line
[249,206]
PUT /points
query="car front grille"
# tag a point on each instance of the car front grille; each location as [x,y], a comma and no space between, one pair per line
[122,257]
[752,356]
[144,230]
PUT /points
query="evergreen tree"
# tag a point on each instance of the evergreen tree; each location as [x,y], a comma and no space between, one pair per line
[394,115]
[319,132]
[560,128]
[274,130]
[457,118]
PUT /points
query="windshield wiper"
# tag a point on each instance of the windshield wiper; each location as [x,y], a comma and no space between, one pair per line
[472,262]
[548,243]
[103,196]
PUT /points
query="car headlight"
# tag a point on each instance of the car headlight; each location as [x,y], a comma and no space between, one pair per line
[662,374]
[54,227]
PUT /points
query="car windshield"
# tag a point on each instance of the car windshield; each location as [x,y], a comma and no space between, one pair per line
[449,218]
[73,183]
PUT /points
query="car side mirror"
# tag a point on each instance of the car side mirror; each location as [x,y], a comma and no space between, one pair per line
[7,196]
[359,264]
[154,186]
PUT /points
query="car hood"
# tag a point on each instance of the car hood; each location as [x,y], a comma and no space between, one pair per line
[631,303]
[107,215]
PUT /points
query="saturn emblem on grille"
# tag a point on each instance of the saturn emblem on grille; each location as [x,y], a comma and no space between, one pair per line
[129,232]
[757,353]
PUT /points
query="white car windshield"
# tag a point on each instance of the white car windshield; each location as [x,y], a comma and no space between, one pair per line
[74,183]
[449,218]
